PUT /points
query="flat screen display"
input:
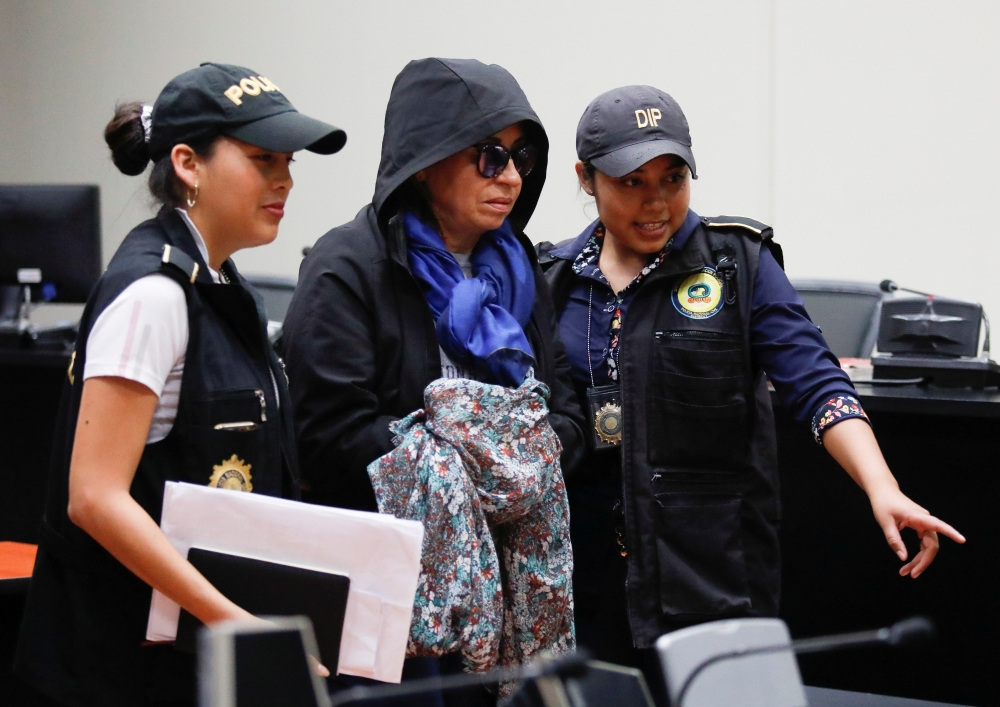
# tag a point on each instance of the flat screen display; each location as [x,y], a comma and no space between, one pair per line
[50,235]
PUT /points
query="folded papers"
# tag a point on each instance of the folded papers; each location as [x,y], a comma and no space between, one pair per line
[379,553]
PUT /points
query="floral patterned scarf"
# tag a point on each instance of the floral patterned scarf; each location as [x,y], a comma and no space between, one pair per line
[479,466]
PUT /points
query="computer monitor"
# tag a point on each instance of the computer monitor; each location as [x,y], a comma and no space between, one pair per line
[50,240]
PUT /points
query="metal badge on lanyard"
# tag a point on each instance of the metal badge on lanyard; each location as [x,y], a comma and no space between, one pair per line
[604,407]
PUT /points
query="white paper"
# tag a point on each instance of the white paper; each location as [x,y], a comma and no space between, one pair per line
[362,630]
[380,554]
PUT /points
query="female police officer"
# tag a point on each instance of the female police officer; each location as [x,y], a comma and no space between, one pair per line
[671,322]
[172,379]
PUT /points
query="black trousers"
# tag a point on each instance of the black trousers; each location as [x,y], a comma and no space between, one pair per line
[601,605]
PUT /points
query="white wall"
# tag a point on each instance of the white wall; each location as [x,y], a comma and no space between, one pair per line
[888,155]
[863,130]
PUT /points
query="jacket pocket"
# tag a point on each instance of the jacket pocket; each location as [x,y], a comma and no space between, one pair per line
[698,406]
[699,549]
[224,439]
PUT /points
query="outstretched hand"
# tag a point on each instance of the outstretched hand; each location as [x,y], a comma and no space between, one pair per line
[893,512]
[853,445]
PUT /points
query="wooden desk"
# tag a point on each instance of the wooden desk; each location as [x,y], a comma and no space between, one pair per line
[825,697]
[839,575]
[16,562]
[31,385]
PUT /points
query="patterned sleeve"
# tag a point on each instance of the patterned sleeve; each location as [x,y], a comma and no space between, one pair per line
[836,410]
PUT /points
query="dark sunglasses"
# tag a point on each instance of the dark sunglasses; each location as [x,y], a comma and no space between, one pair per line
[493,159]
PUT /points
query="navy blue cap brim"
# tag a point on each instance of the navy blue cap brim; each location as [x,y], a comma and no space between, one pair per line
[290,132]
[620,162]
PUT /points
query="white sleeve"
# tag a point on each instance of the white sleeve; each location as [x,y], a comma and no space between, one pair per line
[141,335]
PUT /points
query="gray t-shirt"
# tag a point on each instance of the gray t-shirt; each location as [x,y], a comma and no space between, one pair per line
[450,369]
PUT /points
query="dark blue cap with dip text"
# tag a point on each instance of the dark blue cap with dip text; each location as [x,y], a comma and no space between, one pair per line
[625,128]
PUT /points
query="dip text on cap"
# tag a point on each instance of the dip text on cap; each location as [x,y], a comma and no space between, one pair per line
[645,117]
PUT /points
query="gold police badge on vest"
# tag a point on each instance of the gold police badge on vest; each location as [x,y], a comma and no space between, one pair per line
[604,408]
[232,474]
[608,423]
[699,296]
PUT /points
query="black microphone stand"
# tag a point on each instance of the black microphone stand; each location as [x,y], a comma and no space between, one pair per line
[890,287]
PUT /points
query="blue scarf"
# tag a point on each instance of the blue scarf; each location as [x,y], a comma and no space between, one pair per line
[480,320]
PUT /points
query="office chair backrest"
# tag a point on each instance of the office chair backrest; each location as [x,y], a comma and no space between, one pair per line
[847,312]
[769,680]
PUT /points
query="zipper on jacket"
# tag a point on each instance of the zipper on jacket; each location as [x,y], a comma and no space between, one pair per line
[696,335]
[263,405]
[625,518]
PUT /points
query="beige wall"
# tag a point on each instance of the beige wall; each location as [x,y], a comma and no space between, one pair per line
[863,130]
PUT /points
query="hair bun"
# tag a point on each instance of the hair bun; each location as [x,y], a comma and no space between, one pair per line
[127,139]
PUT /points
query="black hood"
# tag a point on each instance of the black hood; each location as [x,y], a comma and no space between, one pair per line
[441,106]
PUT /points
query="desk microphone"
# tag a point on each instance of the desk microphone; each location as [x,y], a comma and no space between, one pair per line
[890,287]
[908,632]
[564,666]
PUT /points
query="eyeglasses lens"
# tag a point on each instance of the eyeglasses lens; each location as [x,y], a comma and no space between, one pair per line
[524,159]
[493,159]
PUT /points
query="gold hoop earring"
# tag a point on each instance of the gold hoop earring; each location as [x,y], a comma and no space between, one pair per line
[192,199]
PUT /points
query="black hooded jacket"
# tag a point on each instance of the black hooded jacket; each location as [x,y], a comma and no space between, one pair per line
[359,337]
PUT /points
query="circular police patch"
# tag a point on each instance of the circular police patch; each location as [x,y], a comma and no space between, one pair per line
[699,296]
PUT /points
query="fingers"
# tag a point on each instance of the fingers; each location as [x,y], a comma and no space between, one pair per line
[893,538]
[929,546]
[925,523]
[319,668]
[895,512]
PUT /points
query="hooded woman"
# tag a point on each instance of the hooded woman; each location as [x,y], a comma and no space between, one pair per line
[365,335]
[434,279]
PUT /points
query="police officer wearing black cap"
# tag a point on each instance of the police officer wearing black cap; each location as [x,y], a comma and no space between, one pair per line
[671,322]
[172,379]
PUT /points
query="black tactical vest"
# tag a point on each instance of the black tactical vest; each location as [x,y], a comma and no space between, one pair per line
[698,455]
[86,614]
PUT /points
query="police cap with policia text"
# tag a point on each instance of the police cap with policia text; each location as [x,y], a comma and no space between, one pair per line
[221,99]
[625,128]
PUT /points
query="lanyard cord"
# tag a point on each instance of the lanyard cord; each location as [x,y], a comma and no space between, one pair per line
[618,349]
[590,318]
